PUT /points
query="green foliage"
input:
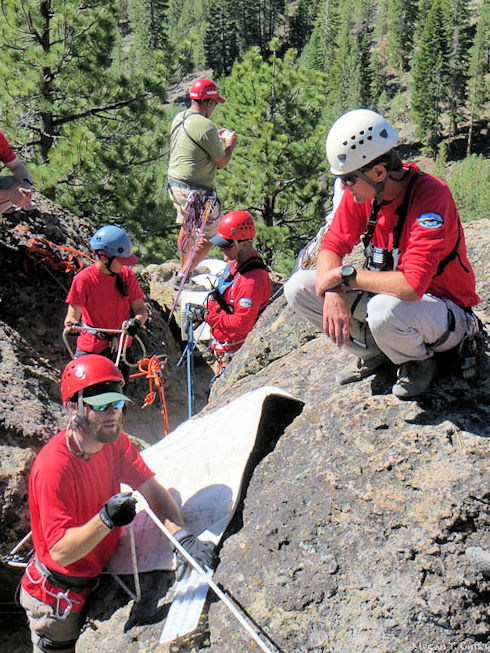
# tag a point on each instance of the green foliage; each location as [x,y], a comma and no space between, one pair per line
[479,78]
[401,25]
[276,108]
[430,77]
[319,52]
[441,162]
[91,128]
[458,26]
[469,181]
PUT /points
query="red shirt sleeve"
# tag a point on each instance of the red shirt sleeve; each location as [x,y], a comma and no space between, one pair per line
[250,293]
[348,224]
[6,152]
[431,232]
[134,470]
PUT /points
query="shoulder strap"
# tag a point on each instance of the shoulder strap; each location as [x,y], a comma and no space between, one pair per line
[451,256]
[182,124]
[253,263]
[402,210]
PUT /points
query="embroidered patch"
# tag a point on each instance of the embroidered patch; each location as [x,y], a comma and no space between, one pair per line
[430,220]
[246,302]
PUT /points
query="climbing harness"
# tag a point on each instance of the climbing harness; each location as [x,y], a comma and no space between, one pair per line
[151,368]
[51,254]
[122,343]
[209,207]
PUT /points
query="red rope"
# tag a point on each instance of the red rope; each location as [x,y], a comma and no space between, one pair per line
[150,367]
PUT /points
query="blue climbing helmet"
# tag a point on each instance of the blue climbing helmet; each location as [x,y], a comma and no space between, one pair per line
[115,242]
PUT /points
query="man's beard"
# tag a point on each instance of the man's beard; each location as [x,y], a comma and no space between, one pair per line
[104,434]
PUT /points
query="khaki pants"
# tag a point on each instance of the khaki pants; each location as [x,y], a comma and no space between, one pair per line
[402,330]
[44,625]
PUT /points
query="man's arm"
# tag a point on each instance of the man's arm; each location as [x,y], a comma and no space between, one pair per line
[78,541]
[20,172]
[336,311]
[73,315]
[162,504]
[230,144]
[139,310]
[378,282]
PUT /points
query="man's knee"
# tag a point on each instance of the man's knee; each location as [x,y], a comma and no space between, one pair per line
[300,284]
[380,309]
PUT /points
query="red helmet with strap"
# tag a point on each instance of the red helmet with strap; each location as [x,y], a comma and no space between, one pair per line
[205,89]
[85,371]
[237,225]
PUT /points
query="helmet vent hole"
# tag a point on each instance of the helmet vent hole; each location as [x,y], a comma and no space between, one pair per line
[344,143]
[370,138]
[361,132]
[353,147]
[361,142]
[383,133]
[120,250]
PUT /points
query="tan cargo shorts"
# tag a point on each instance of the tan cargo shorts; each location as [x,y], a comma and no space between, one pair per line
[179,197]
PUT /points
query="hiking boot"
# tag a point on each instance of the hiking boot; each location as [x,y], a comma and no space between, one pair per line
[414,377]
[360,369]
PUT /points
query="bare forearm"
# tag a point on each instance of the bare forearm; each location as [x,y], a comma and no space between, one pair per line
[73,314]
[327,261]
[162,504]
[387,283]
[79,541]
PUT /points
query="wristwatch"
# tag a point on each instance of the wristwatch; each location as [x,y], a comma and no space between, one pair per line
[347,272]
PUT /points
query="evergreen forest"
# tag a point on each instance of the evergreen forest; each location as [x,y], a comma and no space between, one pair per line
[89,90]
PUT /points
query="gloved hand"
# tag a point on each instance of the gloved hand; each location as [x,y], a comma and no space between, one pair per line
[202,552]
[119,510]
[197,314]
[132,326]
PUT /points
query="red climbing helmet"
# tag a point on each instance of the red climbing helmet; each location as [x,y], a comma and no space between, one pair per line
[205,89]
[235,225]
[86,371]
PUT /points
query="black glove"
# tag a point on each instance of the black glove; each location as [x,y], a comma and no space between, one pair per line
[197,314]
[132,326]
[202,552]
[119,510]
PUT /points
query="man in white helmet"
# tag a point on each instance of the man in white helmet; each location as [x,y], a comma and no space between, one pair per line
[15,189]
[414,294]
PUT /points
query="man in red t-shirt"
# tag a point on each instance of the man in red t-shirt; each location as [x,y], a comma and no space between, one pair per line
[76,506]
[243,291]
[104,294]
[414,295]
[15,189]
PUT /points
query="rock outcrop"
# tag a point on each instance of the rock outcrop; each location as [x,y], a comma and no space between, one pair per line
[364,525]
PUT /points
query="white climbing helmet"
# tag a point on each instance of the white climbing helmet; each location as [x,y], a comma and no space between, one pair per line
[357,138]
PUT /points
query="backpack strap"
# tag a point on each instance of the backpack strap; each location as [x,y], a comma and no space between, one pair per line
[182,124]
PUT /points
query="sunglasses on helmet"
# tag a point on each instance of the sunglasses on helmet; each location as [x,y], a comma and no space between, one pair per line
[112,404]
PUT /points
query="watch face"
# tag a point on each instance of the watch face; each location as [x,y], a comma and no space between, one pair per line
[347,270]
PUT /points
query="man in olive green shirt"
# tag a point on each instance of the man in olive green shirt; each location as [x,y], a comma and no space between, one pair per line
[196,151]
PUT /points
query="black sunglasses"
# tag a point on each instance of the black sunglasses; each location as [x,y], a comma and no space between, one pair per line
[349,180]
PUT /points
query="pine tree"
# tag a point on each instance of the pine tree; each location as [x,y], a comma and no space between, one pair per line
[89,130]
[479,79]
[276,108]
[221,37]
[458,21]
[320,50]
[401,26]
[430,77]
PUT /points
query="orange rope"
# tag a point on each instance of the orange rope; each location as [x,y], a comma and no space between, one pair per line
[47,256]
[150,367]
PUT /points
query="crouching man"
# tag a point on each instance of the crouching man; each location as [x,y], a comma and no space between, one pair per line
[76,506]
[414,295]
[243,291]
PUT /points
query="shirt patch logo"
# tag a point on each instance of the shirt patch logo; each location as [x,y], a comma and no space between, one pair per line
[430,220]
[246,302]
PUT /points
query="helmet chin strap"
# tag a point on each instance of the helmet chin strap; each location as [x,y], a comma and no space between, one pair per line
[76,422]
